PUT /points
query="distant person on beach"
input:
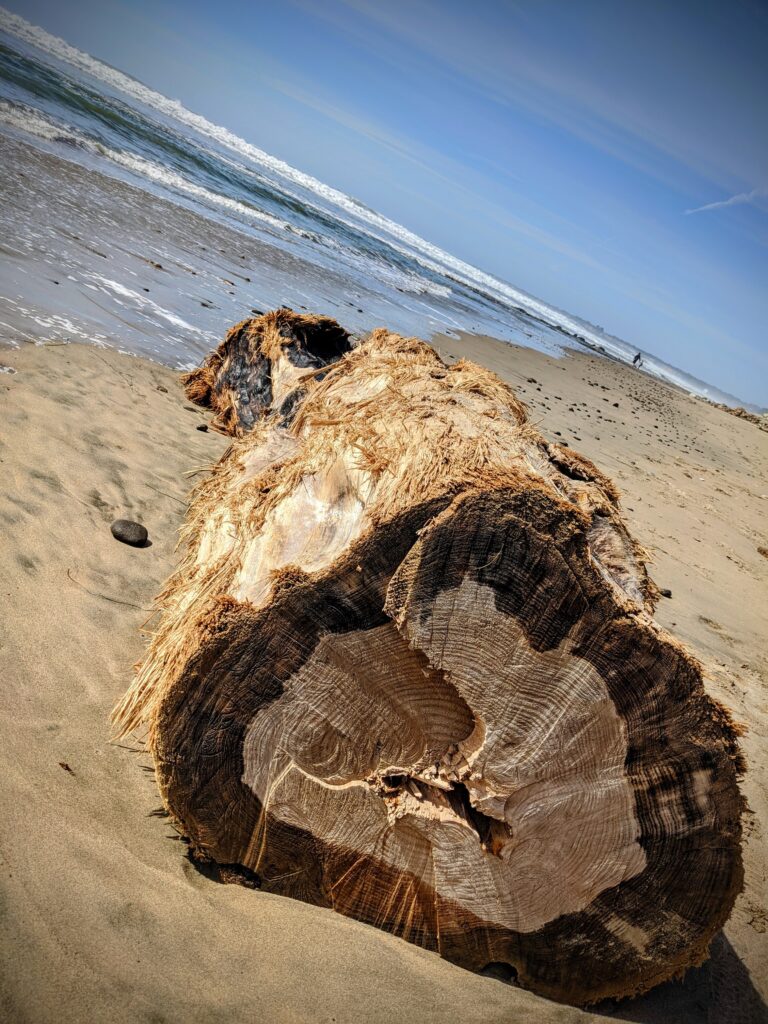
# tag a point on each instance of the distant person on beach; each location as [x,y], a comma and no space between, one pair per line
[638,360]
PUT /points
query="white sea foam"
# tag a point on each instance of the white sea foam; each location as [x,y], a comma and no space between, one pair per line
[170,179]
[33,122]
[143,301]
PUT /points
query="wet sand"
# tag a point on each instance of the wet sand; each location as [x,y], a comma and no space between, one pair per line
[103,918]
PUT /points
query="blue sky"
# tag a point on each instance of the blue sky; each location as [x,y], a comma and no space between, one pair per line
[610,157]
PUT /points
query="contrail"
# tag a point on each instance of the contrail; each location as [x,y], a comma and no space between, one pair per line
[742,197]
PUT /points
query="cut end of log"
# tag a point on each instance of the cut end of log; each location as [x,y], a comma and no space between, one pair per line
[407,671]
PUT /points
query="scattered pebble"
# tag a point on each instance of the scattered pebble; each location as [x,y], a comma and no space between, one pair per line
[161,388]
[129,532]
[202,426]
[665,592]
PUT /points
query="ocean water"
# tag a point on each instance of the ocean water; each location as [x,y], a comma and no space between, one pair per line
[128,220]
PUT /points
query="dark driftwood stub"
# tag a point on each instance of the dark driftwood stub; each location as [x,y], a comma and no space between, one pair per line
[408,670]
[256,368]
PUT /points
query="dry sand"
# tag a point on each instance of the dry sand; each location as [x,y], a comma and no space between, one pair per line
[101,916]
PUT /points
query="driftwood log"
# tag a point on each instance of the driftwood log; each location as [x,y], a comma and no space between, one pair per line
[408,670]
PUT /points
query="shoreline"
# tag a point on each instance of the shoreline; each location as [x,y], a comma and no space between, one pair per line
[104,270]
[105,917]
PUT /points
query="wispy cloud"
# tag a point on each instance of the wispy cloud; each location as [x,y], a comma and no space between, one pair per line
[616,108]
[737,200]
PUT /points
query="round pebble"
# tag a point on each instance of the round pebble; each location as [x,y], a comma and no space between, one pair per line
[201,426]
[129,532]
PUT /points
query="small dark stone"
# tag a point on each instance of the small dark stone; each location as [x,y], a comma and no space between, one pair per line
[258,312]
[161,388]
[665,592]
[202,426]
[129,532]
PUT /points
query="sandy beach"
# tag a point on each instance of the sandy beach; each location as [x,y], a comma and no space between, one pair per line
[103,915]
